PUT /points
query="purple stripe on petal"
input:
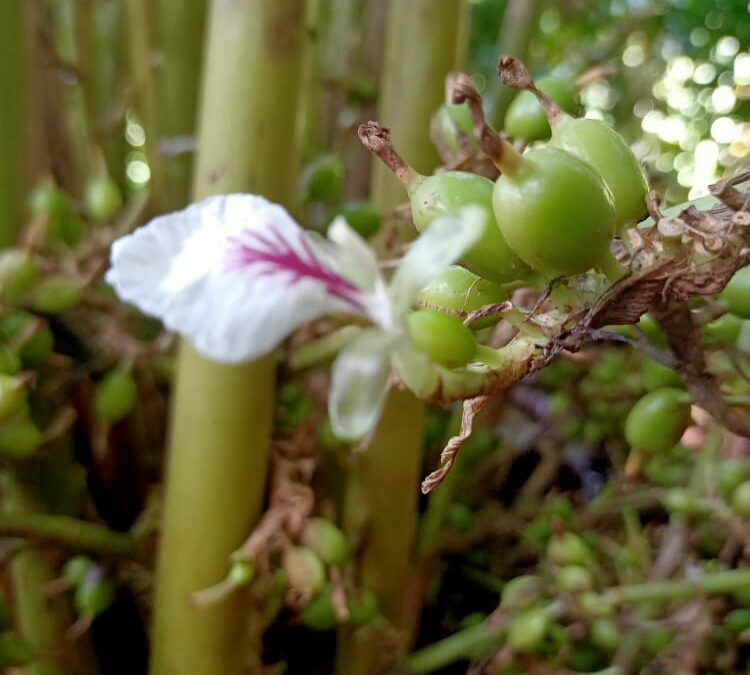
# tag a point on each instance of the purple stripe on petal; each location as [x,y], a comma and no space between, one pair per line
[269,253]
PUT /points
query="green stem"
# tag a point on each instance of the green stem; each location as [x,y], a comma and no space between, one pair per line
[516,30]
[105,72]
[141,65]
[712,583]
[41,620]
[70,532]
[420,50]
[11,120]
[222,415]
[180,30]
[468,643]
[64,23]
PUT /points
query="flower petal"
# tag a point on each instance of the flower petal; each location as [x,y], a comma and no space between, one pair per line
[414,368]
[446,240]
[360,262]
[235,274]
[359,383]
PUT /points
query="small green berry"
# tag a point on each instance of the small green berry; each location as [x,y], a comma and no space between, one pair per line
[741,499]
[522,592]
[116,395]
[568,549]
[304,569]
[318,613]
[327,540]
[528,629]
[94,594]
[76,569]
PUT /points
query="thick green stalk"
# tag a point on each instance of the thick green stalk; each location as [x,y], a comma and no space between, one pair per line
[421,47]
[180,33]
[41,620]
[222,415]
[71,532]
[11,119]
[64,26]
[105,72]
[381,503]
[142,68]
[516,31]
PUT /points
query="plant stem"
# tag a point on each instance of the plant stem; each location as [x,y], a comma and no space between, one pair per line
[11,120]
[66,531]
[105,67]
[468,643]
[139,38]
[180,31]
[381,501]
[713,583]
[516,30]
[64,24]
[421,47]
[420,51]
[43,621]
[222,415]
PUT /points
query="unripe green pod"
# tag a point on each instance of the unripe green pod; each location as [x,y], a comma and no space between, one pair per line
[322,179]
[12,396]
[15,650]
[722,332]
[443,338]
[363,608]
[655,375]
[19,271]
[20,439]
[116,395]
[593,142]
[741,499]
[730,473]
[575,579]
[76,569]
[434,196]
[318,612]
[528,630]
[736,294]
[525,118]
[454,122]
[362,217]
[57,294]
[327,540]
[10,361]
[458,291]
[304,569]
[94,595]
[37,346]
[241,573]
[680,501]
[568,549]
[102,198]
[461,517]
[522,592]
[598,144]
[738,620]
[605,634]
[658,420]
[65,225]
[555,212]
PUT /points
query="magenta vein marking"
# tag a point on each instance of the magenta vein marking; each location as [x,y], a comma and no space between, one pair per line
[278,256]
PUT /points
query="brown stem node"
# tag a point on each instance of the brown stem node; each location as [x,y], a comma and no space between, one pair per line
[492,143]
[377,139]
[514,74]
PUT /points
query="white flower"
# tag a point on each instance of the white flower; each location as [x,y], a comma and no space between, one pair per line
[235,274]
